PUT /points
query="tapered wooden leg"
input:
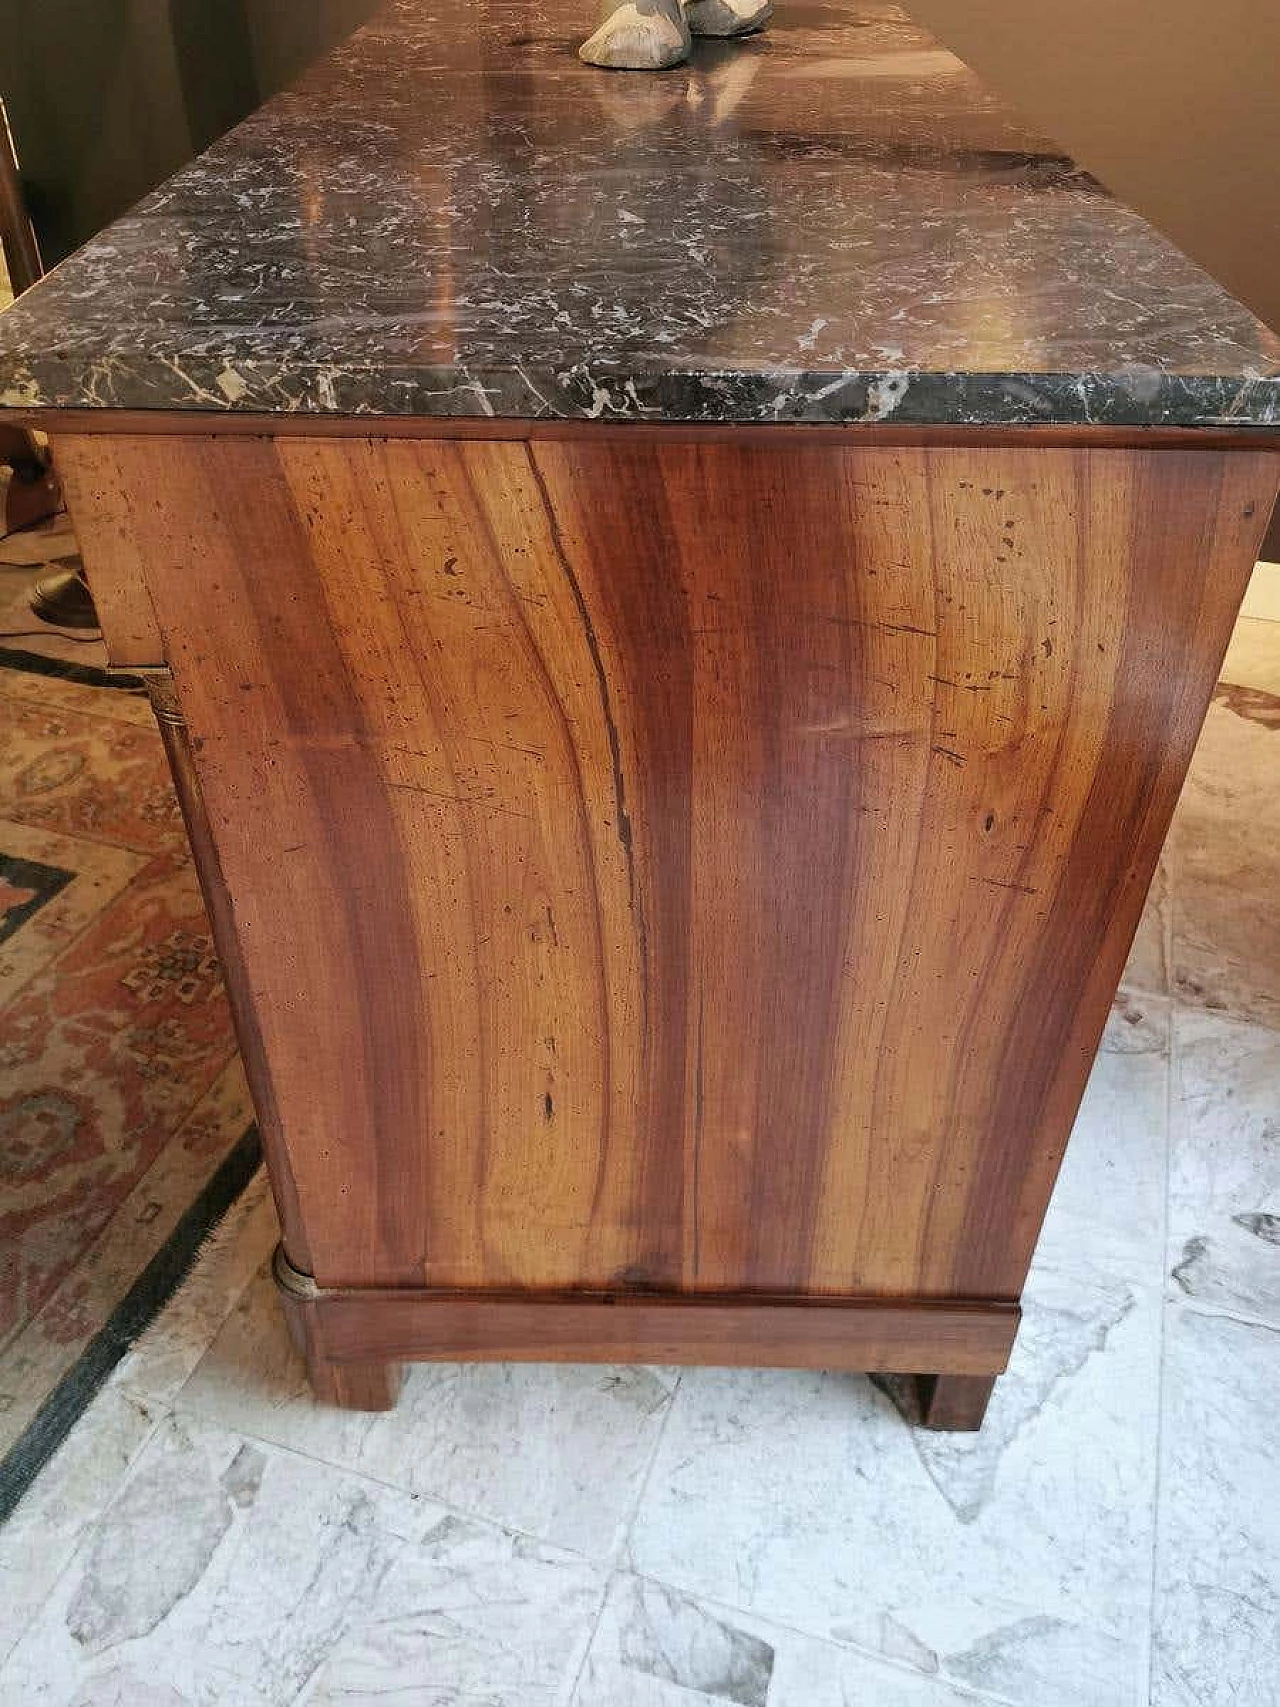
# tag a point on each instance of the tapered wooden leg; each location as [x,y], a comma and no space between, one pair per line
[352,1386]
[954,1403]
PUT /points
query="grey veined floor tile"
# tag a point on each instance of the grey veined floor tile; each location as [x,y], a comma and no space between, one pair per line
[41,1537]
[1108,1206]
[558,1450]
[1217,1636]
[1016,1562]
[1147,968]
[158,1364]
[71,1492]
[657,1647]
[1224,1184]
[228,1572]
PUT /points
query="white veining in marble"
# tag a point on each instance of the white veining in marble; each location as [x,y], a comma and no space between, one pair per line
[227,1572]
[1217,1610]
[557,1450]
[452,216]
[1224,1178]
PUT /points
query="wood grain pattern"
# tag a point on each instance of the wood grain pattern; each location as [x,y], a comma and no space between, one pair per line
[367,1329]
[97,498]
[358,1383]
[360,1386]
[685,867]
[204,854]
[954,1404]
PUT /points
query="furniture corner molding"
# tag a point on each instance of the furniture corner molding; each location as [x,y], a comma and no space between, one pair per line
[162,691]
[291,1280]
[350,1383]
[161,688]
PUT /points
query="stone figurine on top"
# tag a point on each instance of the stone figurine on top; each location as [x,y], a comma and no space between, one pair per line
[648,35]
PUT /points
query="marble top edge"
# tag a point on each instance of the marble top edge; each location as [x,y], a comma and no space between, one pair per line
[451,217]
[848,399]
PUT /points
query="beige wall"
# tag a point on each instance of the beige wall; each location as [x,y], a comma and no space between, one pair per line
[285,39]
[1174,104]
[108,97]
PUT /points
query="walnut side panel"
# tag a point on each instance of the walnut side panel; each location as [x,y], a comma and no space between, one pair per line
[686,867]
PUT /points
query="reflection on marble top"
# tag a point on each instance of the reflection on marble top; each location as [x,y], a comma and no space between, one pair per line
[834,221]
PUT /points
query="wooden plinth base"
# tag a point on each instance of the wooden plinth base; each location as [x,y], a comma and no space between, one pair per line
[355,1339]
[954,1404]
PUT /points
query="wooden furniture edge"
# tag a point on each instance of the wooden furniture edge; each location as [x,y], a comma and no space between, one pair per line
[369,1327]
[167,709]
[354,1338]
[200,422]
[953,1403]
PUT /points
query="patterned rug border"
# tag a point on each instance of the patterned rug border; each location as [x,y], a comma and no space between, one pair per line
[135,1312]
[168,1267]
[63,670]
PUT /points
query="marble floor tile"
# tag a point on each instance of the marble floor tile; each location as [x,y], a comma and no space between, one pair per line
[1147,968]
[656,1647]
[1223,854]
[41,1536]
[1015,1562]
[1224,1184]
[557,1450]
[1108,1205]
[1217,1606]
[71,1491]
[160,1362]
[226,1571]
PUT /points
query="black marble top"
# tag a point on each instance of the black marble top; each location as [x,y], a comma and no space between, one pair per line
[834,221]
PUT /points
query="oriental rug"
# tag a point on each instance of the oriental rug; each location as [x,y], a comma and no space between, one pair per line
[125,1126]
